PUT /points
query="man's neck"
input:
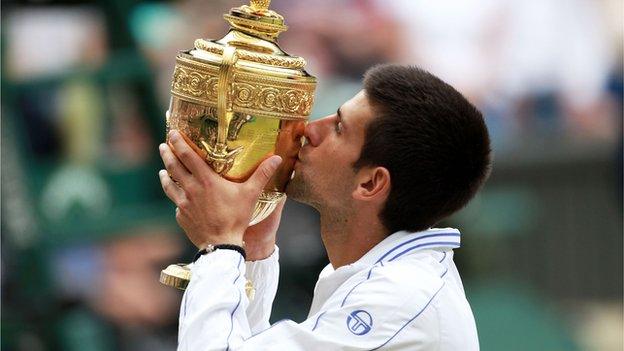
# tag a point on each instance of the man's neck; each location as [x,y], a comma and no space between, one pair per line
[349,237]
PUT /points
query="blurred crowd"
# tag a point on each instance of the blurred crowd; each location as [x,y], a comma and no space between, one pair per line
[550,68]
[85,85]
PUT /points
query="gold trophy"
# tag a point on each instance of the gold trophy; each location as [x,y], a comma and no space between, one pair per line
[240,100]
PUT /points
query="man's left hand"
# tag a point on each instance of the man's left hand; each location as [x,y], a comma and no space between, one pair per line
[210,209]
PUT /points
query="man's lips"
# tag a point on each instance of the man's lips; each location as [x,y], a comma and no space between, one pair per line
[298,162]
[300,154]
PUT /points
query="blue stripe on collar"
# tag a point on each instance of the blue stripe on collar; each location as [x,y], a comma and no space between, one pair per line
[434,238]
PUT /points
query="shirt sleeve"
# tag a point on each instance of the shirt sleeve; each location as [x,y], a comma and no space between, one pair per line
[366,316]
[264,275]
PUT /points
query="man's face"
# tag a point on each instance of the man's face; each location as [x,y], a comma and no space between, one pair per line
[324,174]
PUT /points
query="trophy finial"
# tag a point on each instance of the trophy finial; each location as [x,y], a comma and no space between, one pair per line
[259,5]
[256,19]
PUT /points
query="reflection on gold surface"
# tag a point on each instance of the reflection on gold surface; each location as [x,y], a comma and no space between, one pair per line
[258,137]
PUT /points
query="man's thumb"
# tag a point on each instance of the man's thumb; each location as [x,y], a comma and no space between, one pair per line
[264,172]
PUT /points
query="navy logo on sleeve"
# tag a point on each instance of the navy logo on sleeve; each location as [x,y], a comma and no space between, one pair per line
[359,322]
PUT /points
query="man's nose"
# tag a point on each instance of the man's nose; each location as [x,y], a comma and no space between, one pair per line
[315,131]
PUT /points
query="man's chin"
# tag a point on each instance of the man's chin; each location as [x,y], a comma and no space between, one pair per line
[292,188]
[297,189]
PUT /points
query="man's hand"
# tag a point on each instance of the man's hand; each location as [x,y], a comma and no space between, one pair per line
[210,209]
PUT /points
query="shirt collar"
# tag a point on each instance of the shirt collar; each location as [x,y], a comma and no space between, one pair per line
[402,243]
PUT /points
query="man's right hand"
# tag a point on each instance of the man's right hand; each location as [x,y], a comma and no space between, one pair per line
[260,238]
[231,204]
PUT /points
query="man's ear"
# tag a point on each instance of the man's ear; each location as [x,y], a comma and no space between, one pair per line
[373,184]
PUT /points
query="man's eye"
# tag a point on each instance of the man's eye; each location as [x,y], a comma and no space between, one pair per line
[338,127]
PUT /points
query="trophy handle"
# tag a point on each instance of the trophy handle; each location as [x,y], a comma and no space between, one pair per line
[219,156]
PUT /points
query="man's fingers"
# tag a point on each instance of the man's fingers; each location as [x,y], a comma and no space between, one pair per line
[187,155]
[264,172]
[173,165]
[171,189]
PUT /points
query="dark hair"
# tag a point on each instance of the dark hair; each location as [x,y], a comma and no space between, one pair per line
[431,139]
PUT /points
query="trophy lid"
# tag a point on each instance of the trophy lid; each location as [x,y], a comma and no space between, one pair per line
[267,81]
[256,19]
[253,32]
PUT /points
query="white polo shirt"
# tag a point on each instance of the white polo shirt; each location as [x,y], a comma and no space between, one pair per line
[404,294]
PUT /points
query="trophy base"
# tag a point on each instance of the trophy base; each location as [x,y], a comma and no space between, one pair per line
[179,275]
[176,275]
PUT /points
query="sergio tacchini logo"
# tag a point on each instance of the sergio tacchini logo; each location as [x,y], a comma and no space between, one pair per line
[359,322]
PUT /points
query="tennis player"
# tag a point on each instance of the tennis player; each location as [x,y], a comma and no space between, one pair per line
[404,153]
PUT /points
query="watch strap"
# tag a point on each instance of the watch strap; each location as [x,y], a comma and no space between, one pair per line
[211,248]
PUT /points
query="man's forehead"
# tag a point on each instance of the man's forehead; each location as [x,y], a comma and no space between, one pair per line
[356,108]
[356,100]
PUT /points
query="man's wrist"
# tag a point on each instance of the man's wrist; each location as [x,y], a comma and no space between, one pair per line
[213,248]
[223,240]
[259,250]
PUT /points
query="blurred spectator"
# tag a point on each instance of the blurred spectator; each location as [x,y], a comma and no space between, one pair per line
[552,57]
[347,36]
[112,294]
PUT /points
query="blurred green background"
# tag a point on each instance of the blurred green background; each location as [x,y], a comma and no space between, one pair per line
[86,228]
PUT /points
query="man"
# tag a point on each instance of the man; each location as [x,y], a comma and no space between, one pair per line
[404,153]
